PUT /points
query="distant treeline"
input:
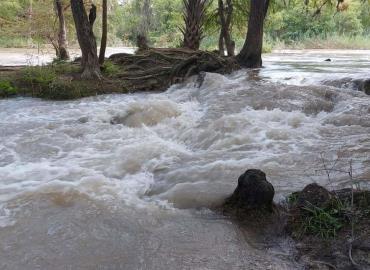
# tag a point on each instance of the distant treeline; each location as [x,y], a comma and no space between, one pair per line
[290,23]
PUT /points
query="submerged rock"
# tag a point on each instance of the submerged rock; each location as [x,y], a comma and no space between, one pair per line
[253,192]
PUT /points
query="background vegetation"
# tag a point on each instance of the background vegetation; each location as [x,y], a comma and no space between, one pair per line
[290,23]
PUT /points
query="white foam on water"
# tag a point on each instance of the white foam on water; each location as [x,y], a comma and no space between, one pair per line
[149,157]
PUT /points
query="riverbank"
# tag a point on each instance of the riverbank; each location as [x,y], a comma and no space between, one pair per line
[149,70]
[330,229]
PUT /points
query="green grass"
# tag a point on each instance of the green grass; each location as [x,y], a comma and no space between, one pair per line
[333,41]
[323,222]
[110,69]
[39,75]
[13,42]
[7,89]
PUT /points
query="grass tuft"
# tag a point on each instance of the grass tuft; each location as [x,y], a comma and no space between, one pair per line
[7,89]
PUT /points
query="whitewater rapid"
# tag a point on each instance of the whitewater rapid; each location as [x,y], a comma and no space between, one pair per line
[128,181]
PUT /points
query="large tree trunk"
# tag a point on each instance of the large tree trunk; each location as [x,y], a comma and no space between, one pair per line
[62,52]
[146,19]
[221,44]
[230,44]
[103,44]
[225,23]
[250,55]
[194,13]
[221,15]
[86,39]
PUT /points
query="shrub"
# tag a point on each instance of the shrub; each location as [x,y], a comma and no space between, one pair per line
[6,89]
[64,67]
[110,69]
[39,75]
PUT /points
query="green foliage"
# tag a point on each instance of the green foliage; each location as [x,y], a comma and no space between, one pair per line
[324,222]
[64,67]
[61,90]
[166,18]
[349,22]
[110,69]
[292,198]
[12,42]
[289,23]
[39,75]
[299,22]
[7,89]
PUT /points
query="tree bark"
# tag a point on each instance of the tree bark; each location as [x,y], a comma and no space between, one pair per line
[146,19]
[86,39]
[225,23]
[221,15]
[230,44]
[250,55]
[62,51]
[103,43]
[194,13]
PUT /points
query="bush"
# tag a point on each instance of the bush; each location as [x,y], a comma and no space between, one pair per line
[64,67]
[39,75]
[61,90]
[6,89]
[110,69]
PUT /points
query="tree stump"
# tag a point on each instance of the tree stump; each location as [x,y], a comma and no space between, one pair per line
[253,193]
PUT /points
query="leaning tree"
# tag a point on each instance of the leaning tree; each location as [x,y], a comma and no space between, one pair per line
[250,54]
[86,39]
[194,14]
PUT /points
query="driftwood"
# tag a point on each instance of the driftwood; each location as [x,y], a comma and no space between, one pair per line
[157,69]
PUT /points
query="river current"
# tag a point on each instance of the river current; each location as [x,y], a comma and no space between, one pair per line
[128,181]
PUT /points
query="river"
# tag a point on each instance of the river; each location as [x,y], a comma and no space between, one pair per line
[128,181]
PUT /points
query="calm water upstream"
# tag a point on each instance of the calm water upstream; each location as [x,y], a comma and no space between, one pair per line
[78,192]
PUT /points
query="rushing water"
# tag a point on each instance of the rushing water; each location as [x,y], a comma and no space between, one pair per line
[127,181]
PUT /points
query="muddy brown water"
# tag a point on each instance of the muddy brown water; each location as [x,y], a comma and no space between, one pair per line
[78,192]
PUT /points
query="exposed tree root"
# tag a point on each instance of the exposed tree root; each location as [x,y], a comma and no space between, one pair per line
[157,69]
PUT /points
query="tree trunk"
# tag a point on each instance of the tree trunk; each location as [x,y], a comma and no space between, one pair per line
[230,44]
[221,15]
[221,44]
[145,20]
[194,13]
[250,55]
[225,23]
[86,39]
[103,44]
[62,52]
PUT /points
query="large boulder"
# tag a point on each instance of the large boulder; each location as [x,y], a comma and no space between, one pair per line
[253,192]
[313,194]
[366,86]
